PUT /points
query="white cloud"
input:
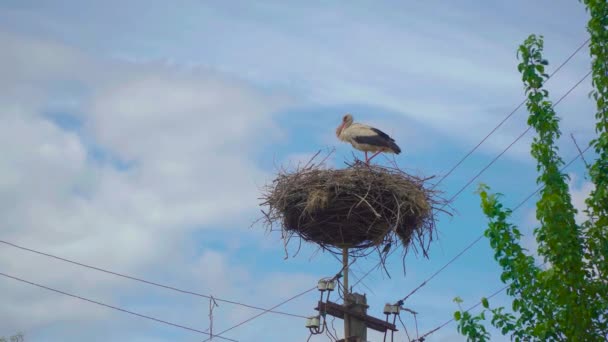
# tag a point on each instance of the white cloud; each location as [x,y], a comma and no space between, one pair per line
[446,72]
[189,139]
[450,68]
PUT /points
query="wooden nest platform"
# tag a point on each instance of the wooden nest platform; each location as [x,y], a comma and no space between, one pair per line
[358,208]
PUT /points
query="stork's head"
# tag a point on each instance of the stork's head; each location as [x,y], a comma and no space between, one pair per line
[347,120]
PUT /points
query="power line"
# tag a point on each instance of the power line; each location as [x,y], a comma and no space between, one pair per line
[145,281]
[469,246]
[353,274]
[581,153]
[477,176]
[481,236]
[489,134]
[338,275]
[113,307]
[516,140]
[422,338]
[264,312]
[508,116]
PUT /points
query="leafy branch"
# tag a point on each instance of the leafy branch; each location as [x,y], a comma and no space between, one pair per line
[567,301]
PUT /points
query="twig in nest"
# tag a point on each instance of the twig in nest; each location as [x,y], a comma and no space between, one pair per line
[369,205]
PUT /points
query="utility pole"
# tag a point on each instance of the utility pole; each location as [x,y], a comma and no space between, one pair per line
[353,311]
[360,321]
[357,303]
[212,305]
[347,332]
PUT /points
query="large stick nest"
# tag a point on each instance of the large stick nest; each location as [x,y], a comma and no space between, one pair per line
[358,207]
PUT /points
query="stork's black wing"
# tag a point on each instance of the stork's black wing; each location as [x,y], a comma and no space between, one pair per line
[382,140]
[382,134]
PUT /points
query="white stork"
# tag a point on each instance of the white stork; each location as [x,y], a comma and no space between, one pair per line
[365,138]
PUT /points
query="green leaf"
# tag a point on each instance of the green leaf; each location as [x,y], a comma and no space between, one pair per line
[484,302]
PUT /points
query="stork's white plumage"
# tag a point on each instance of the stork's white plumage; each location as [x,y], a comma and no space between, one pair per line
[366,138]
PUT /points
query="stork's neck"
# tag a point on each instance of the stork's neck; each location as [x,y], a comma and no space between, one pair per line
[343,135]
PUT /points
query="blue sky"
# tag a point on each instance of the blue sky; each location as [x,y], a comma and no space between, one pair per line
[136,136]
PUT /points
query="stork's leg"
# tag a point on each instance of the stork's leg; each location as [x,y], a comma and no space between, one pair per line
[375,154]
[366,161]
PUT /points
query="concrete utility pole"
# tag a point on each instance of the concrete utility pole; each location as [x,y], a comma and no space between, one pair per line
[354,329]
[353,311]
[347,331]
[357,328]
[359,319]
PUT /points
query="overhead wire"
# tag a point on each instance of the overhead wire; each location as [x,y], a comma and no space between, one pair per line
[519,205]
[477,176]
[469,246]
[263,312]
[337,276]
[423,337]
[516,140]
[492,132]
[122,275]
[404,327]
[508,116]
[158,320]
[353,274]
